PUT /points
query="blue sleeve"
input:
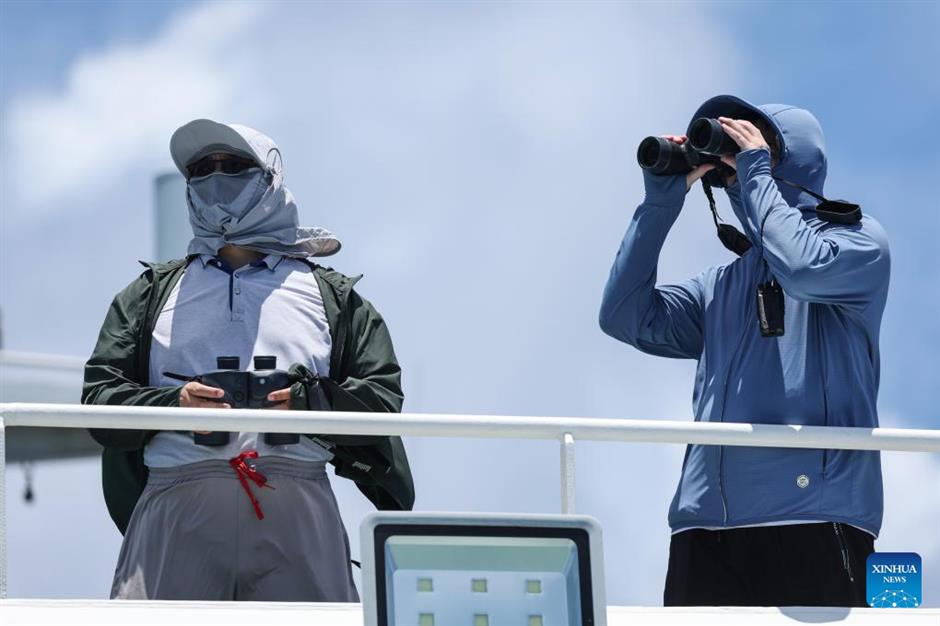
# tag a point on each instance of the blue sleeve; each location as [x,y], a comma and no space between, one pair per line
[664,320]
[846,265]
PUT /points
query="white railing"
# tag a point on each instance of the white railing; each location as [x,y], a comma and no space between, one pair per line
[565,430]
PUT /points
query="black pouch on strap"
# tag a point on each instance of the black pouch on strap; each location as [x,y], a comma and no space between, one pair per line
[839,212]
[305,395]
[836,211]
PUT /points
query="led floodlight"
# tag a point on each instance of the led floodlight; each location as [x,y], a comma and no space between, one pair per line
[440,569]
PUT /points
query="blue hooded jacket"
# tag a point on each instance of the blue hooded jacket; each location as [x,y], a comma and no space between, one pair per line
[823,371]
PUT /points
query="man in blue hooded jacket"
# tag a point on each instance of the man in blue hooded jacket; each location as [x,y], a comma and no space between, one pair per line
[766,526]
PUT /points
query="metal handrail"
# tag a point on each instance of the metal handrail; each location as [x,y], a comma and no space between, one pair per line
[565,430]
[482,426]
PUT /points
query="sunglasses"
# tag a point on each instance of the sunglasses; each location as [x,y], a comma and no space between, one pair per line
[225,163]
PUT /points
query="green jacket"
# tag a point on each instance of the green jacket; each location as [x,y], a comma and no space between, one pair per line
[364,376]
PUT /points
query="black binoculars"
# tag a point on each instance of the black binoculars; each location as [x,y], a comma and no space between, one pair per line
[706,144]
[246,390]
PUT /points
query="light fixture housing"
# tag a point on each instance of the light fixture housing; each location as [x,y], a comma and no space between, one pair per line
[423,569]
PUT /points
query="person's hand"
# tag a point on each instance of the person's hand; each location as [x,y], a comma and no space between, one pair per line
[745,134]
[282,397]
[692,177]
[198,396]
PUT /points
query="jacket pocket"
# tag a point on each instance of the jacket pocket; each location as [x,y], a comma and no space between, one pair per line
[766,484]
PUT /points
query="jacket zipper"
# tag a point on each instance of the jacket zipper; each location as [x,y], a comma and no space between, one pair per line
[346,313]
[721,449]
[343,321]
[846,563]
[724,400]
[721,481]
[825,398]
[155,300]
[342,332]
[142,346]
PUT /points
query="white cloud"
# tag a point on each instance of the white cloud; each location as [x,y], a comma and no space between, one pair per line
[119,106]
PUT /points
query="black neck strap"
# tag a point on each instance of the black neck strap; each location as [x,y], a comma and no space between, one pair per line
[730,237]
[836,211]
[800,187]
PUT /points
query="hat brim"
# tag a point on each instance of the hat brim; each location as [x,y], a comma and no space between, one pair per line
[200,137]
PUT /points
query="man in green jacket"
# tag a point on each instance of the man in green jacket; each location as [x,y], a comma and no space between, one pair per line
[195,526]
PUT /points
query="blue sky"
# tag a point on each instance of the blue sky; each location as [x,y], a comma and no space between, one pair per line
[478,162]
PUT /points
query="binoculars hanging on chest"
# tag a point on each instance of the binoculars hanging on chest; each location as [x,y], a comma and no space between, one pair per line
[246,390]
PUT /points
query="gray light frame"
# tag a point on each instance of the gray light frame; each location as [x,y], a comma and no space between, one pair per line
[580,522]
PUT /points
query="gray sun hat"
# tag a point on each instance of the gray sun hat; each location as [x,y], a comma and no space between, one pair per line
[196,139]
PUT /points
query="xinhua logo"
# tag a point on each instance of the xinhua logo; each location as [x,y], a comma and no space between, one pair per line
[894,580]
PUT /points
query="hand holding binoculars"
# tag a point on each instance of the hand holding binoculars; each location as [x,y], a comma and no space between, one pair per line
[244,390]
[706,144]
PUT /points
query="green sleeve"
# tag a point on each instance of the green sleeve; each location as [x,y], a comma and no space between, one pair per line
[370,378]
[112,373]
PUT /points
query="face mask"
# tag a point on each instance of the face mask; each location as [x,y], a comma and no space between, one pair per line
[252,209]
[234,194]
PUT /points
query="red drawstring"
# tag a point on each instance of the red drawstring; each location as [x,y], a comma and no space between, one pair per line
[244,471]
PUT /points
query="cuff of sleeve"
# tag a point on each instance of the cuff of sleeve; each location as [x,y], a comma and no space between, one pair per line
[665,191]
[172,397]
[734,191]
[751,163]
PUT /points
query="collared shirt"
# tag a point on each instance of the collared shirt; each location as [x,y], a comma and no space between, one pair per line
[272,307]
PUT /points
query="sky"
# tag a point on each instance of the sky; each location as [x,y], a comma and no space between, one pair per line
[478,162]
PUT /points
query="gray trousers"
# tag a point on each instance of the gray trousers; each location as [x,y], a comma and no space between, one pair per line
[195,536]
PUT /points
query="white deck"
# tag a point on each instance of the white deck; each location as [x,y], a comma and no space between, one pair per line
[160,613]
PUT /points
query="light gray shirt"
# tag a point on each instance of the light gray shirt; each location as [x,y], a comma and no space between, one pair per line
[270,307]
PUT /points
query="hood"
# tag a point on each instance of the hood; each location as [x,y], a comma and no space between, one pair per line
[802,146]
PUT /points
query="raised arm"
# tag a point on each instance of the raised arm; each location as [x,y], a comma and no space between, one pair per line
[840,264]
[665,320]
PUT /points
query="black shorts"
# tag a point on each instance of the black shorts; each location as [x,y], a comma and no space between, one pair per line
[820,564]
